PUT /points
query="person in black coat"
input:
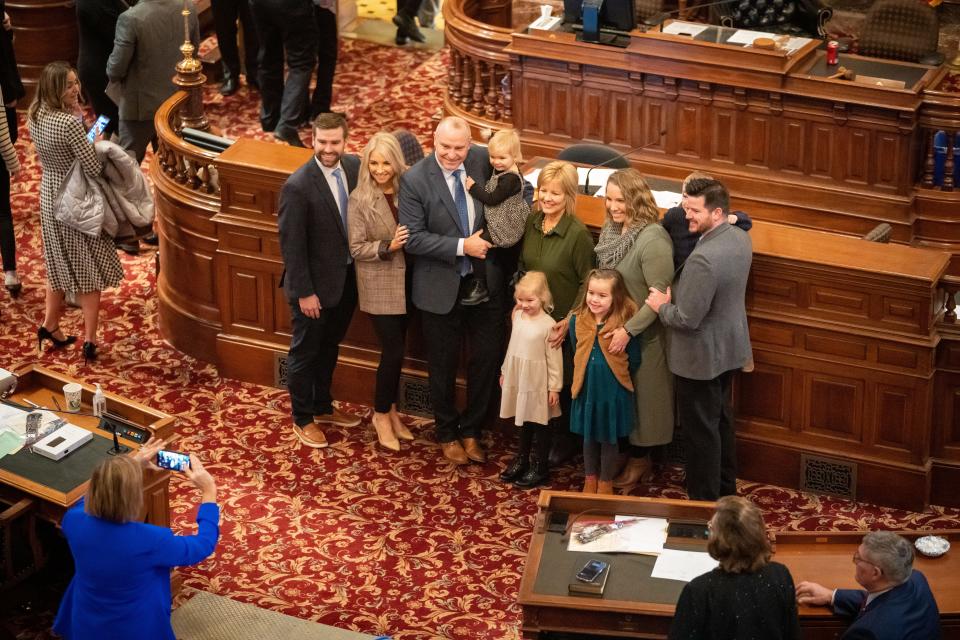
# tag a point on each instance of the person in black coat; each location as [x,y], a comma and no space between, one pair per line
[12,89]
[319,278]
[97,28]
[747,597]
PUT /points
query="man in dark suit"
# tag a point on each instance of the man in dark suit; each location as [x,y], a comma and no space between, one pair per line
[146,50]
[445,225]
[895,603]
[708,339]
[318,278]
[287,29]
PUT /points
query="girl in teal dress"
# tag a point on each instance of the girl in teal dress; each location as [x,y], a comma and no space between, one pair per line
[603,407]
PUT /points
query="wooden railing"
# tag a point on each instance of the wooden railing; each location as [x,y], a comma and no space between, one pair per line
[478,79]
[940,123]
[187,166]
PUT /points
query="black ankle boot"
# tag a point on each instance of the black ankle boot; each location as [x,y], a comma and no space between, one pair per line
[476,293]
[539,472]
[518,467]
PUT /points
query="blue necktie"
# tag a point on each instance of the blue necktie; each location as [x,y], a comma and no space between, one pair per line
[460,199]
[342,198]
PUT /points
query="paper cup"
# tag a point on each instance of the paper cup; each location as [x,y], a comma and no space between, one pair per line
[71,393]
[545,10]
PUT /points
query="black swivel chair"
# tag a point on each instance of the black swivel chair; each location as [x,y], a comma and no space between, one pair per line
[594,154]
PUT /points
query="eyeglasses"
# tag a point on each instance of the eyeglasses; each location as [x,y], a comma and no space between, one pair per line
[857,558]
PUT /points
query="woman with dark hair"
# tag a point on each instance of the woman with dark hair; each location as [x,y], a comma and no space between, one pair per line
[747,597]
[633,243]
[121,587]
[76,263]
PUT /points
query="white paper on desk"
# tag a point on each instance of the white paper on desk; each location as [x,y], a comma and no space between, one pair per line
[17,422]
[598,175]
[745,37]
[795,43]
[644,535]
[680,28]
[666,199]
[682,565]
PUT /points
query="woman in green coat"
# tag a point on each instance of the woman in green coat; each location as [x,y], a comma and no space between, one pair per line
[632,242]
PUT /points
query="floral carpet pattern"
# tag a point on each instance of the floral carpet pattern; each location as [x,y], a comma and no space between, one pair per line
[350,536]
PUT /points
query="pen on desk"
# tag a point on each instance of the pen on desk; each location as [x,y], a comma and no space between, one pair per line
[31,403]
[56,403]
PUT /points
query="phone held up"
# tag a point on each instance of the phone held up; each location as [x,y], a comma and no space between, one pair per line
[173,460]
[98,128]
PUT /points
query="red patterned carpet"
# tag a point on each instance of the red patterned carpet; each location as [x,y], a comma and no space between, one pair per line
[351,536]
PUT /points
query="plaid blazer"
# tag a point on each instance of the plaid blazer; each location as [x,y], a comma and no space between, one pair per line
[380,283]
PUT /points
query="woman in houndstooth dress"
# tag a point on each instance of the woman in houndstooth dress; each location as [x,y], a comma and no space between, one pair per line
[75,262]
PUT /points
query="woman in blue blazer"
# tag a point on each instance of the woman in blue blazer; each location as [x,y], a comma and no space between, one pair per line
[121,587]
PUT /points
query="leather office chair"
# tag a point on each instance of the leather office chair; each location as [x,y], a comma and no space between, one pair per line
[794,17]
[901,30]
[410,146]
[594,154]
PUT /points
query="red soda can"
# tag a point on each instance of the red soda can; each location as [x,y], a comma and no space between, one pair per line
[832,47]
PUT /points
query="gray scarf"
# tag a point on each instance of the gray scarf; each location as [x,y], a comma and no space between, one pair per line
[614,243]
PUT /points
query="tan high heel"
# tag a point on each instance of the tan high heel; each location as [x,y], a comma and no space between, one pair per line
[399,429]
[381,422]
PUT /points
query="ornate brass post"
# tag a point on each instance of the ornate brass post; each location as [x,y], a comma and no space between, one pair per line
[190,78]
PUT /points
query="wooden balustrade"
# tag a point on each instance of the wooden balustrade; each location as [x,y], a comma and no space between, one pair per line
[478,79]
[190,167]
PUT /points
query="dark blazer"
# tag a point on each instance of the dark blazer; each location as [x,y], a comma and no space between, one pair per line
[707,319]
[427,209]
[738,606]
[906,612]
[10,82]
[312,238]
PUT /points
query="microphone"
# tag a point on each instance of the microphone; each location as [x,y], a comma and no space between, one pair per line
[586,180]
[657,19]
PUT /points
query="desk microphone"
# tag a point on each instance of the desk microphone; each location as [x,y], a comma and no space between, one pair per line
[657,19]
[586,180]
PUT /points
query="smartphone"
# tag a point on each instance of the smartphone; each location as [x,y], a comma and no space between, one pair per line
[173,460]
[592,570]
[98,127]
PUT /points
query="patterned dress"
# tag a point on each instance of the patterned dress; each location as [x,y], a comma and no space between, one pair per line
[75,262]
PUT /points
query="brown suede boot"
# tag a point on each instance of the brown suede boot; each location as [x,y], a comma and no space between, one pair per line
[605,487]
[635,472]
[590,484]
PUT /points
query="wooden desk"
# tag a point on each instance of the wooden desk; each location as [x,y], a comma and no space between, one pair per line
[824,557]
[41,386]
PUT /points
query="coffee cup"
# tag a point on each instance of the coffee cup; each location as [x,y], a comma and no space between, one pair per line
[72,393]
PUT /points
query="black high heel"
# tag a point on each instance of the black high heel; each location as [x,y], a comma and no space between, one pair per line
[89,351]
[45,334]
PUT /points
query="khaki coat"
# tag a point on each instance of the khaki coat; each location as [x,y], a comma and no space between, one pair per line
[380,283]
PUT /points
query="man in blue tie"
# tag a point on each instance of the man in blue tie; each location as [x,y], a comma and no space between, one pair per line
[318,279]
[895,603]
[445,223]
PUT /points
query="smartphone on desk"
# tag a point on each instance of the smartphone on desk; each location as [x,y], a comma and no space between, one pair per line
[173,460]
[98,127]
[592,570]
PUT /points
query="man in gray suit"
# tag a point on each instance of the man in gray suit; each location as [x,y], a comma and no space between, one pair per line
[445,223]
[708,337]
[145,53]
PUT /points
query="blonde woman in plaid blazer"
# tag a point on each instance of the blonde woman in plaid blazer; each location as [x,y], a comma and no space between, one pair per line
[376,244]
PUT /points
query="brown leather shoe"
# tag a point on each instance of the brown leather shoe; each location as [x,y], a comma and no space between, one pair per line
[590,484]
[338,418]
[474,450]
[605,487]
[310,435]
[453,452]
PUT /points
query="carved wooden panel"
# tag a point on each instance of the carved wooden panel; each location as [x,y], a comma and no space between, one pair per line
[757,150]
[723,136]
[242,199]
[535,117]
[857,148]
[833,406]
[192,270]
[839,300]
[765,395]
[845,346]
[822,151]
[903,311]
[895,408]
[890,160]
[562,115]
[237,239]
[247,299]
[793,148]
[774,291]
[687,131]
[592,114]
[619,126]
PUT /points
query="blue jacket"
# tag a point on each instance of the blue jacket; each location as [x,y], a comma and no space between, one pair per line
[121,586]
[906,612]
